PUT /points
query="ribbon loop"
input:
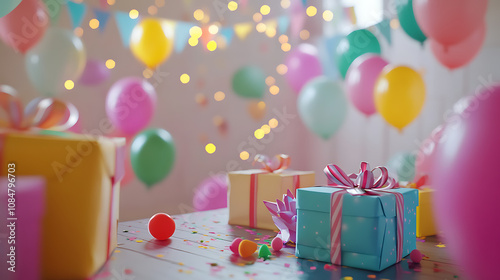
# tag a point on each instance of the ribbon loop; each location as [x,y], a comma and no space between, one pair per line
[280,162]
[40,113]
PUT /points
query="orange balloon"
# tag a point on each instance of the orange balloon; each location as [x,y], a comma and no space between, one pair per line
[247,248]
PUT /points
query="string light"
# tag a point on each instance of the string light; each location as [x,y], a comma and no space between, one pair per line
[210,148]
[257,17]
[304,34]
[259,133]
[133,14]
[270,80]
[94,23]
[311,11]
[193,41]
[244,155]
[185,78]
[273,123]
[69,84]
[213,29]
[198,14]
[110,64]
[271,32]
[394,23]
[328,15]
[78,31]
[281,69]
[261,105]
[285,4]
[232,6]
[219,96]
[283,39]
[147,73]
[261,27]
[212,46]
[152,10]
[266,128]
[274,89]
[265,9]
[286,47]
[160,3]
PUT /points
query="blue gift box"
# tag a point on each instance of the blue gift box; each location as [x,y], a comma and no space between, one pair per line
[369,227]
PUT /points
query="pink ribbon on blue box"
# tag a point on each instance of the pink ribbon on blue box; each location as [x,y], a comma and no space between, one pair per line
[362,183]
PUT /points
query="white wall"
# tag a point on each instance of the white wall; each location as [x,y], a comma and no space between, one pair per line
[358,139]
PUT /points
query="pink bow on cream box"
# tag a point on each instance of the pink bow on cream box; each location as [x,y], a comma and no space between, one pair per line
[249,188]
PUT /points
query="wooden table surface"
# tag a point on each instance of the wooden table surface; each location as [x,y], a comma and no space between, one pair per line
[199,250]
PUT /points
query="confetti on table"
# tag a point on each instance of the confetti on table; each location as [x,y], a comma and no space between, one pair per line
[372,276]
[139,241]
[160,256]
[441,245]
[287,265]
[312,268]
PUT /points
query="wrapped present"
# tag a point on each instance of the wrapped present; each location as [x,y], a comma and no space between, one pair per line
[249,188]
[284,214]
[82,176]
[356,221]
[426,225]
[21,239]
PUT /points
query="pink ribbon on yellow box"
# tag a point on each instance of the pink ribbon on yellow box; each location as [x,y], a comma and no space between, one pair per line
[362,183]
[277,164]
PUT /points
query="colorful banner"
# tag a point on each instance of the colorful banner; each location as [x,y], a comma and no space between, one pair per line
[125,25]
[76,13]
[181,35]
[102,17]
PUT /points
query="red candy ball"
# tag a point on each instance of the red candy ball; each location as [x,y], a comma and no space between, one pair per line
[161,226]
[416,256]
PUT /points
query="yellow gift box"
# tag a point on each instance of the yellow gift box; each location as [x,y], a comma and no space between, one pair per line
[249,188]
[82,196]
[425,215]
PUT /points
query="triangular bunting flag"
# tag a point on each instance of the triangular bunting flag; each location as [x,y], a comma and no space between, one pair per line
[243,29]
[283,23]
[181,35]
[304,3]
[104,4]
[125,25]
[384,27]
[228,34]
[76,12]
[351,14]
[54,10]
[102,17]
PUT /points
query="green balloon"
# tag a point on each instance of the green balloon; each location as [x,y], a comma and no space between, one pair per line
[152,154]
[402,165]
[322,106]
[353,45]
[408,21]
[249,82]
[8,6]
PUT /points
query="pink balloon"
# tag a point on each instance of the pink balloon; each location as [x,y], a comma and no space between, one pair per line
[460,54]
[303,65]
[211,193]
[130,104]
[425,155]
[449,21]
[22,28]
[467,185]
[360,81]
[95,72]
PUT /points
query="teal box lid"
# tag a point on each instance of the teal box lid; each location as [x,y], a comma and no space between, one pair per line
[318,199]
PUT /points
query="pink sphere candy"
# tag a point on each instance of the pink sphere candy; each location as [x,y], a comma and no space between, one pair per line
[277,244]
[416,256]
[235,245]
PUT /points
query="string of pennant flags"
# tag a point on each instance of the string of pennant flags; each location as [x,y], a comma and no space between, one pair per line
[126,23]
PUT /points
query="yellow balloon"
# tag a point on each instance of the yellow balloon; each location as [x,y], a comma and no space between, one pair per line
[152,41]
[399,95]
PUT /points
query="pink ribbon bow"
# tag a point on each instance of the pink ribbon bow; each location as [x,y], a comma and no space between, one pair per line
[41,113]
[276,164]
[362,183]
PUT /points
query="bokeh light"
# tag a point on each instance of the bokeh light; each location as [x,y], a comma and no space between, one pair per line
[94,23]
[261,27]
[219,96]
[152,10]
[270,80]
[198,14]
[160,3]
[285,4]
[265,9]
[185,78]
[257,17]
[111,2]
[244,155]
[266,128]
[274,89]
[328,15]
[193,41]
[394,23]
[110,64]
[281,69]
[232,6]
[273,123]
[147,73]
[213,29]
[311,11]
[259,133]
[133,14]
[286,47]
[304,34]
[78,31]
[69,84]
[212,46]
[195,32]
[283,39]
[210,148]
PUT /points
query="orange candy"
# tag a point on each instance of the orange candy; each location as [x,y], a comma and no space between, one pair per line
[247,248]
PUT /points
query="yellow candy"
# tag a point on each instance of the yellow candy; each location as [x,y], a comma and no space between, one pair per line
[247,248]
